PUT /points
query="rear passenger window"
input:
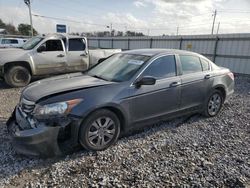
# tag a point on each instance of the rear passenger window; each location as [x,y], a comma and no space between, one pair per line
[162,67]
[190,64]
[205,64]
[76,45]
[12,41]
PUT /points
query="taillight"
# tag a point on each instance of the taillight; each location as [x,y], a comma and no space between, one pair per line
[231,75]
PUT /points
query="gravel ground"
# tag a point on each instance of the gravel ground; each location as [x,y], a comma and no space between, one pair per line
[184,152]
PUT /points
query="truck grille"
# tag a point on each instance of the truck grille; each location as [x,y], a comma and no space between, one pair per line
[27,106]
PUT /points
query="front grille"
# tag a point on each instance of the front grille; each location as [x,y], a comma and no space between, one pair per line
[27,106]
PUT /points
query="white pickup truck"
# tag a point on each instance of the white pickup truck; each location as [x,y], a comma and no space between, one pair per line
[48,55]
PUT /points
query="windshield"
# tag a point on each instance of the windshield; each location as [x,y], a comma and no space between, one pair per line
[119,67]
[31,43]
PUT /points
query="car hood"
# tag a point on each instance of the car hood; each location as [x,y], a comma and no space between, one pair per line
[60,84]
[11,50]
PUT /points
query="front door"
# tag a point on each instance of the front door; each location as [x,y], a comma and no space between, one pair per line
[50,57]
[153,101]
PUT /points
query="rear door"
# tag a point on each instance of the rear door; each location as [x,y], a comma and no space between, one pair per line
[151,101]
[14,43]
[77,56]
[195,81]
[52,60]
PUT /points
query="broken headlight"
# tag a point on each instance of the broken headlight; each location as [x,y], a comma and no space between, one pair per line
[55,109]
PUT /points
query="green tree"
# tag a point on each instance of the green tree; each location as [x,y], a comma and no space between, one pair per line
[11,29]
[133,34]
[24,29]
[2,24]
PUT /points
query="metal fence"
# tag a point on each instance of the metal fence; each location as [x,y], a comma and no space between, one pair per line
[229,50]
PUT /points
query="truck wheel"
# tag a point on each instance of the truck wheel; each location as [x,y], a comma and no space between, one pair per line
[100,130]
[17,76]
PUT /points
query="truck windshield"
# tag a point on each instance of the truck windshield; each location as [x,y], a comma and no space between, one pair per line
[119,67]
[31,43]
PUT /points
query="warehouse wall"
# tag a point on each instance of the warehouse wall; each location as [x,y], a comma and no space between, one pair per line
[228,50]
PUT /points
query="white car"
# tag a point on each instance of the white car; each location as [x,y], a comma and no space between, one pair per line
[12,42]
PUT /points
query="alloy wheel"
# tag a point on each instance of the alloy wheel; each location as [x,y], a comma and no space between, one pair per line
[101,132]
[214,104]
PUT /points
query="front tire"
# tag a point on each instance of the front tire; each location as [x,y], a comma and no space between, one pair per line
[213,104]
[17,76]
[100,130]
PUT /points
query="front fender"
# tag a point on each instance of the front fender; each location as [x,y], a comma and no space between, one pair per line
[17,56]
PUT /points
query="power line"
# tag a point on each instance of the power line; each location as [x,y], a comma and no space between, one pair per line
[68,20]
[229,11]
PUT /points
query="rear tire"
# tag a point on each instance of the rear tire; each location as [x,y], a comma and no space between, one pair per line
[213,104]
[17,76]
[100,130]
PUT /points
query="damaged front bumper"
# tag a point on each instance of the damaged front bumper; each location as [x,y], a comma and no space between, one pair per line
[51,138]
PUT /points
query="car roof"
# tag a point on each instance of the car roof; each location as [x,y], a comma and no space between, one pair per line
[61,35]
[156,51]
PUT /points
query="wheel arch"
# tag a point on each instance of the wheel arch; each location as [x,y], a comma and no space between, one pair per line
[116,110]
[17,63]
[222,89]
[120,115]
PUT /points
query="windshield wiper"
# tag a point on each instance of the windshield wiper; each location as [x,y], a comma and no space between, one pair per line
[99,77]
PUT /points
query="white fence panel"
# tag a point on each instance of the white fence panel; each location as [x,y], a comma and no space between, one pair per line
[229,50]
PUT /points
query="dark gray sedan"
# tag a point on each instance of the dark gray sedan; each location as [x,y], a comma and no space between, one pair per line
[125,91]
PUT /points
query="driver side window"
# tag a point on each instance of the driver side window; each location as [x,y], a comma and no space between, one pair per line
[163,67]
[52,45]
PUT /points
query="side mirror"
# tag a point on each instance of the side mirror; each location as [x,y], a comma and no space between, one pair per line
[41,49]
[146,80]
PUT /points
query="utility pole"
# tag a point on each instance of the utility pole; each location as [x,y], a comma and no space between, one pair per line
[27,2]
[214,15]
[218,28]
[111,29]
[126,29]
[148,32]
[177,32]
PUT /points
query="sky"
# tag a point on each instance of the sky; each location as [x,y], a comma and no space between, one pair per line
[153,17]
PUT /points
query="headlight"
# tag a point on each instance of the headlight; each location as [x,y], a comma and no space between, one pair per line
[55,109]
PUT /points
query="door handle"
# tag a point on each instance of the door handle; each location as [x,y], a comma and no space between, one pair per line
[175,84]
[83,55]
[60,55]
[207,76]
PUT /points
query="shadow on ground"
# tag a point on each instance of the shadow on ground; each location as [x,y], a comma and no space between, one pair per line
[3,85]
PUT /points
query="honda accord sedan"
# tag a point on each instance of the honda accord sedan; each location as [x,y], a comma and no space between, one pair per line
[128,90]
